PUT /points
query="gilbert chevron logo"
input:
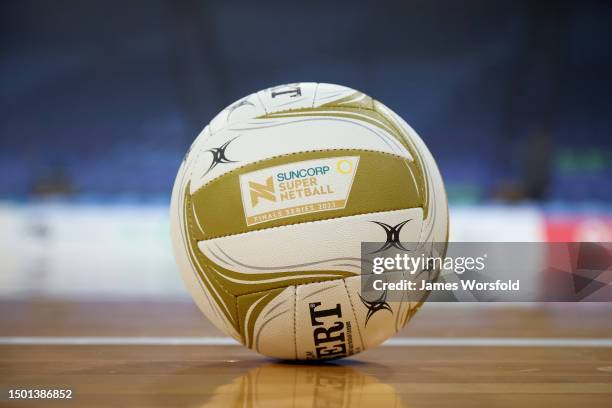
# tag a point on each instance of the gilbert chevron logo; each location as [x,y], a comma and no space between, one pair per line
[297,188]
[393,236]
[219,155]
[375,306]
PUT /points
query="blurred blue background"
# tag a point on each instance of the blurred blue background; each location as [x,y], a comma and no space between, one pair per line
[101,99]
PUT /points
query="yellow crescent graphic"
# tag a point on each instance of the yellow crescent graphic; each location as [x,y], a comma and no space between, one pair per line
[345,170]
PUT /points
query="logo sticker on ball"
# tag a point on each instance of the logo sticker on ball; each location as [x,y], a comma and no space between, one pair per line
[297,188]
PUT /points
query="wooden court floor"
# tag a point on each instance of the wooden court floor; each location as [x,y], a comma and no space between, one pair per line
[145,354]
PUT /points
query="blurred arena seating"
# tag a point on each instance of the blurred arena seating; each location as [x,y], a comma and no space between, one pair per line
[101,101]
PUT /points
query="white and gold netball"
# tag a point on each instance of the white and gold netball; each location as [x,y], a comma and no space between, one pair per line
[271,205]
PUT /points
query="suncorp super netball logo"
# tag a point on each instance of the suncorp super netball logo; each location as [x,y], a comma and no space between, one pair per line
[297,188]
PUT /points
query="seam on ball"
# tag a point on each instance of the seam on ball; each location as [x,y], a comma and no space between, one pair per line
[307,282]
[314,95]
[263,105]
[332,104]
[354,312]
[295,321]
[307,222]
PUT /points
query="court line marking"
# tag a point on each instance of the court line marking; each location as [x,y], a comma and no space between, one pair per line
[227,341]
